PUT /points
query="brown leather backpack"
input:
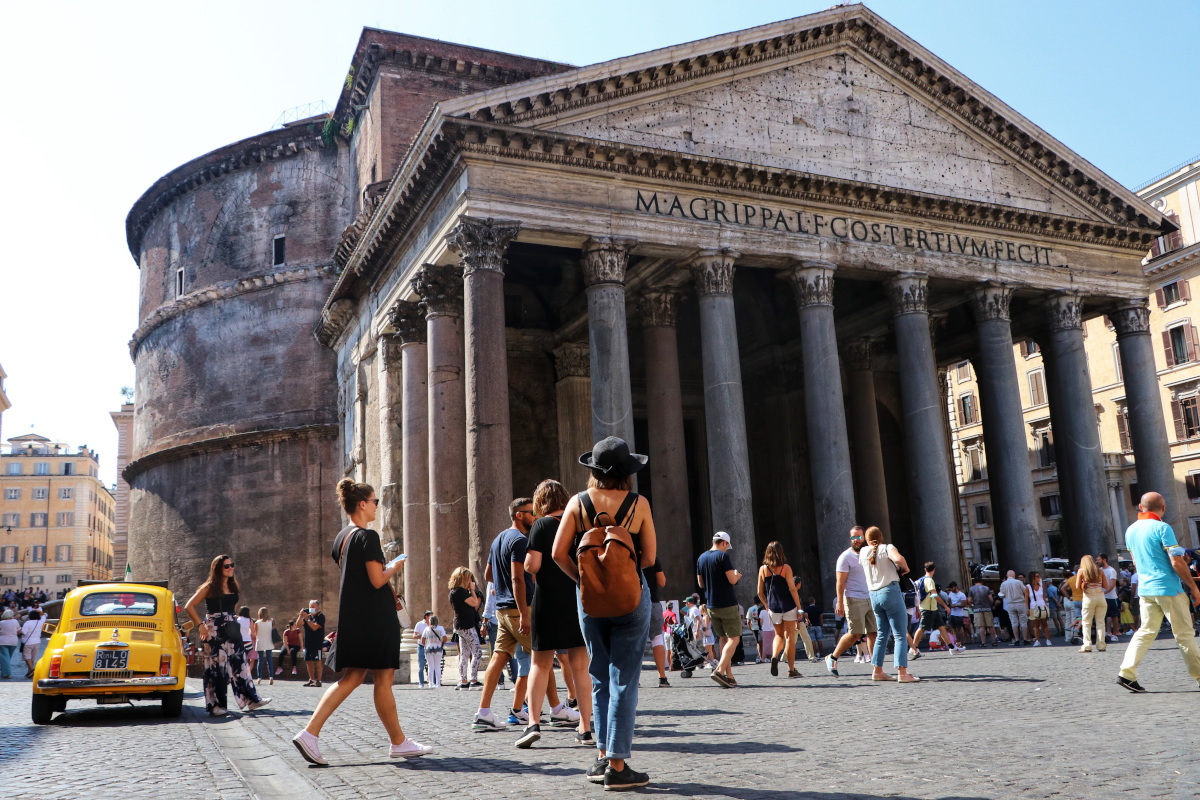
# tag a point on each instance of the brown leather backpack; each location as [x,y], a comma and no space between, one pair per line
[610,579]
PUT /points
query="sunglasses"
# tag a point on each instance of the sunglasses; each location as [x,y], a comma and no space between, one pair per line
[228,565]
[374,500]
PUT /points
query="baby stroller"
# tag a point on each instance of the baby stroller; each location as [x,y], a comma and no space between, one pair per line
[689,652]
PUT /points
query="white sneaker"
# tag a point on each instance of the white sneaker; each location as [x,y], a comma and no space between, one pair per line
[564,718]
[257,704]
[409,749]
[309,747]
[1037,643]
[217,711]
[1049,643]
[959,648]
[487,722]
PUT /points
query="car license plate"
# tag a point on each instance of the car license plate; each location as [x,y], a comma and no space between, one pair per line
[112,659]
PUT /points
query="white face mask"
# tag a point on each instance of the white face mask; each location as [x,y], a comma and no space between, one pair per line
[312,609]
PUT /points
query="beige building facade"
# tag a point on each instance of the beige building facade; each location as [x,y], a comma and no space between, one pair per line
[56,517]
[1172,267]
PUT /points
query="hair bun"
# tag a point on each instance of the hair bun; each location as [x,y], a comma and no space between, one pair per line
[343,486]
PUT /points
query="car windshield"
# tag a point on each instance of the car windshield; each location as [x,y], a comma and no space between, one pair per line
[124,604]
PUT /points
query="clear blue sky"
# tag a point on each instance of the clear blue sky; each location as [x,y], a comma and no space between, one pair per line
[101,99]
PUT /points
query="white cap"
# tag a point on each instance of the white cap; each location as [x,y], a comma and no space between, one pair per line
[722,536]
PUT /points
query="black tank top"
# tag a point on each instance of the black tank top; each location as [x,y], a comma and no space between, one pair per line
[779,597]
[222,604]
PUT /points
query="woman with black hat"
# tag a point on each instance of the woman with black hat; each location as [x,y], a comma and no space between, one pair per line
[615,644]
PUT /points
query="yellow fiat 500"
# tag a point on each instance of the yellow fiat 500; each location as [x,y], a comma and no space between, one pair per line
[114,642]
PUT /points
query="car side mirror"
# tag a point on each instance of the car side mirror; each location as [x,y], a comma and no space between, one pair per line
[50,627]
[187,626]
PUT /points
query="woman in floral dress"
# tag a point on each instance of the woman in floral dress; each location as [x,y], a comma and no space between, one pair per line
[225,663]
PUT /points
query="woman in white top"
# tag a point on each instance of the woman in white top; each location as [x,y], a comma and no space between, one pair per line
[264,645]
[10,640]
[1039,610]
[883,565]
[31,639]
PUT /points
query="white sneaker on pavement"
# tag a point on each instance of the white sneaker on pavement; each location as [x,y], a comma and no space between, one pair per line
[257,704]
[409,749]
[487,722]
[309,747]
[1037,642]
[564,718]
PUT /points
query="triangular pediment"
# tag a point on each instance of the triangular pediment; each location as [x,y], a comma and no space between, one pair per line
[841,93]
[836,116]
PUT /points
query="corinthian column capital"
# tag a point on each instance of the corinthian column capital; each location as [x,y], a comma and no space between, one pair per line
[909,293]
[481,243]
[571,360]
[1064,311]
[857,353]
[605,259]
[990,300]
[813,282]
[407,319]
[659,308]
[441,288]
[712,271]
[1133,317]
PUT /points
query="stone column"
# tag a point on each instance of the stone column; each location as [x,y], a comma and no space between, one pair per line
[389,380]
[408,319]
[604,262]
[869,480]
[930,486]
[1017,535]
[828,444]
[573,394]
[481,245]
[1076,435]
[1147,426]
[441,291]
[668,462]
[725,414]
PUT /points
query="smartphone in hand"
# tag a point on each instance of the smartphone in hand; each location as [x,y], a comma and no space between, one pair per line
[395,561]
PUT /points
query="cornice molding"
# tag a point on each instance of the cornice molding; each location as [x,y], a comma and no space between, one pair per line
[221,291]
[223,443]
[1132,318]
[991,301]
[333,321]
[480,243]
[857,30]
[566,150]
[269,146]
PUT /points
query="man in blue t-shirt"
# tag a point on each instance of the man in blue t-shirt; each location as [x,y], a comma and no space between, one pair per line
[1163,575]
[514,592]
[717,577]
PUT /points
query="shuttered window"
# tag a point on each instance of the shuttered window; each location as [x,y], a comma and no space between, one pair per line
[1050,505]
[1179,344]
[968,412]
[1123,430]
[1193,486]
[1045,447]
[1186,416]
[1171,293]
[1037,387]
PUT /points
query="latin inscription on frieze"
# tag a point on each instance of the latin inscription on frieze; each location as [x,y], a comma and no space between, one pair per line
[785,219]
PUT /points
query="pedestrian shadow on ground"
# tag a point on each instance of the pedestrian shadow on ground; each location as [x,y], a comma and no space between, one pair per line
[981,679]
[684,712]
[676,789]
[461,764]
[716,748]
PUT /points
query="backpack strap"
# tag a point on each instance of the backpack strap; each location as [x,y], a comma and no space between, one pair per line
[585,501]
[624,514]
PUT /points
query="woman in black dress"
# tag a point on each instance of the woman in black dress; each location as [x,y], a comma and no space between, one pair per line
[225,663]
[554,615]
[368,630]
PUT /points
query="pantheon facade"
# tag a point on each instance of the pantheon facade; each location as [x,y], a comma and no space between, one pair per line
[751,256]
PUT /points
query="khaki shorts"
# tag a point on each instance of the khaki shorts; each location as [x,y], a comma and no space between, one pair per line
[983,619]
[508,635]
[859,616]
[726,622]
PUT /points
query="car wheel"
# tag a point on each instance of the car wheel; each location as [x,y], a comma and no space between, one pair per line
[58,704]
[43,710]
[172,703]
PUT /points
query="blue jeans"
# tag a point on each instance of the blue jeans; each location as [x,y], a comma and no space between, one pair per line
[421,664]
[6,654]
[892,617]
[266,663]
[615,646]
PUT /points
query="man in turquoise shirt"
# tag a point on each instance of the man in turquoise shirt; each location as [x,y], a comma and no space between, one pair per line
[1163,575]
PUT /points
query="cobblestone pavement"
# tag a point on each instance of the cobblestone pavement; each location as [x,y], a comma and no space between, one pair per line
[993,723]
